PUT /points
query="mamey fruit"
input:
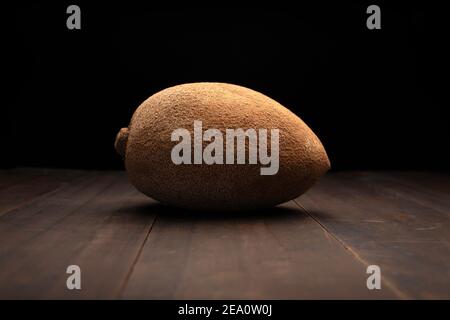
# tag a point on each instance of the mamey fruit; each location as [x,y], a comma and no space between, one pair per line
[202,180]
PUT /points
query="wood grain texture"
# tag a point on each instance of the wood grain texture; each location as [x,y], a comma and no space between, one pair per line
[21,186]
[316,247]
[90,223]
[273,254]
[393,220]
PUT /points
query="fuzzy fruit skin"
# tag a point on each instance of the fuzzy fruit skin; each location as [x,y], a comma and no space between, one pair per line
[147,150]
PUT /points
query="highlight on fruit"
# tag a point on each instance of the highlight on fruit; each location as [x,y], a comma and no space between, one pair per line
[213,152]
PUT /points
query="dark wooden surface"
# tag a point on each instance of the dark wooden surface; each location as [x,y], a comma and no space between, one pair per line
[318,246]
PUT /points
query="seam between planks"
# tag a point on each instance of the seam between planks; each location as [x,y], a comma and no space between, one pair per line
[136,259]
[386,281]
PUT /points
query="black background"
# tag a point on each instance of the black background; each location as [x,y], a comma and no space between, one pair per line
[376,98]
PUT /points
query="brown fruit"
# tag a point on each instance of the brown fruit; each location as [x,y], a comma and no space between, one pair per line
[146,146]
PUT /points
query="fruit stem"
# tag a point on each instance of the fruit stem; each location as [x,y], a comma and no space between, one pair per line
[121,141]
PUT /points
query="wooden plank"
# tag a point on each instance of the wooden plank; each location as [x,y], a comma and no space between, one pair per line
[435,182]
[21,225]
[18,175]
[23,186]
[432,190]
[98,222]
[101,223]
[279,253]
[403,229]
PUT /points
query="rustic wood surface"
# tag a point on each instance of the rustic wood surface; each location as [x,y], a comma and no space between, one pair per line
[315,247]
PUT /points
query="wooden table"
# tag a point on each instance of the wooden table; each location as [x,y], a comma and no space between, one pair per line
[318,246]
